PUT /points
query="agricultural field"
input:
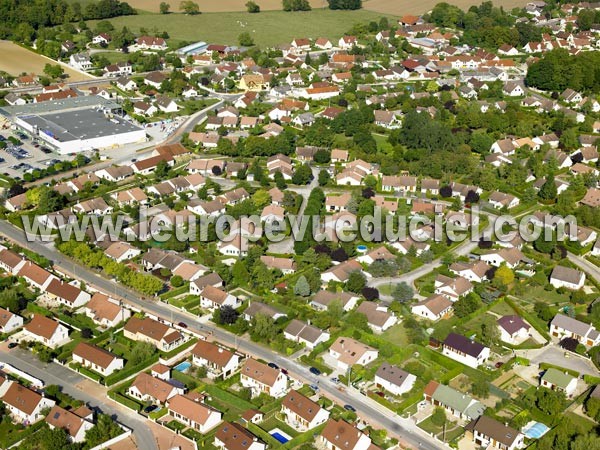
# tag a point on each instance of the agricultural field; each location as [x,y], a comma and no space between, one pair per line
[16,60]
[401,7]
[213,6]
[267,28]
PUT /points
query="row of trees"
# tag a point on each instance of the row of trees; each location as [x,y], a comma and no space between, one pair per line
[20,18]
[144,283]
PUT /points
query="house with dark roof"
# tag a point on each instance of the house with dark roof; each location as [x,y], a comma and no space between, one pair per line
[491,434]
[393,379]
[513,329]
[233,436]
[465,350]
[567,277]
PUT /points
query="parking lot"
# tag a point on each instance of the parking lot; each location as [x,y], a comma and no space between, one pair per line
[21,155]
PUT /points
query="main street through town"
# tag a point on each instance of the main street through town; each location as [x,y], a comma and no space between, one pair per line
[372,412]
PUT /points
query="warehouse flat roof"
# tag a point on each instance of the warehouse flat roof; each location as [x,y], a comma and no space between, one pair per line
[89,101]
[79,124]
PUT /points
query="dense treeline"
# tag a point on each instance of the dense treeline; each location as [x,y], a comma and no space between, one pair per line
[558,70]
[345,4]
[22,17]
[485,25]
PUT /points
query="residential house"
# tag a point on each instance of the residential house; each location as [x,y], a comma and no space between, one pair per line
[559,381]
[452,288]
[567,277]
[147,388]
[11,262]
[378,316]
[301,413]
[214,298]
[349,352]
[304,333]
[475,271]
[25,405]
[255,308]
[433,308]
[511,257]
[490,434]
[66,294]
[105,311]
[149,330]
[455,402]
[341,272]
[233,436]
[76,427]
[218,361]
[80,61]
[193,413]
[393,379]
[566,327]
[323,299]
[9,321]
[46,331]
[340,435]
[35,276]
[465,350]
[97,359]
[261,378]
[513,329]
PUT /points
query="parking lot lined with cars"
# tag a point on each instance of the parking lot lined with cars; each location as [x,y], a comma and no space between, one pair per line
[20,155]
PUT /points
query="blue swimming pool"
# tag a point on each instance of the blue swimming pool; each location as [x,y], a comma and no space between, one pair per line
[280,435]
[535,430]
[183,367]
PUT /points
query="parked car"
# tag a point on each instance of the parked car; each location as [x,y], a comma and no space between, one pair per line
[336,380]
[284,371]
[315,371]
[12,345]
[349,408]
[151,408]
[182,324]
[314,387]
[272,365]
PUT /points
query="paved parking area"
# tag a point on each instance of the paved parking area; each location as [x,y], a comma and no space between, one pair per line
[554,355]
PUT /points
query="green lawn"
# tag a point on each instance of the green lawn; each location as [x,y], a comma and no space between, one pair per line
[267,28]
[538,294]
[396,335]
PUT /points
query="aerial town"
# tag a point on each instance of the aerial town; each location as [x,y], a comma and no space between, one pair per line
[202,246]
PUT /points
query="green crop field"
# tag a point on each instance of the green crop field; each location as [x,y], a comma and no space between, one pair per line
[267,28]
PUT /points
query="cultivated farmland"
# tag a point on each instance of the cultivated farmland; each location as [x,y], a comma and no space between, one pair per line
[401,7]
[16,60]
[217,6]
[267,28]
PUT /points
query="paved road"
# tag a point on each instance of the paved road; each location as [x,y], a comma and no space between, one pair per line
[585,265]
[409,278]
[367,408]
[54,373]
[554,355]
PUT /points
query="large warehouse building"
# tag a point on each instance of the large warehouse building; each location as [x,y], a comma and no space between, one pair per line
[76,124]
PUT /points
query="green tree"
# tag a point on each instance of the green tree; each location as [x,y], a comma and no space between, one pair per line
[466,305]
[296,5]
[356,282]
[402,292]
[480,388]
[252,7]
[189,7]
[104,430]
[263,328]
[438,417]
[324,177]
[53,70]
[302,288]
[245,39]
[489,331]
[176,281]
[164,8]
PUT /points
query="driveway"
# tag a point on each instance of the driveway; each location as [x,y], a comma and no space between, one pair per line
[554,355]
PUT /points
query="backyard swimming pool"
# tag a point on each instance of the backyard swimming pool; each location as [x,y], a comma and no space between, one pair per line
[280,435]
[183,367]
[535,430]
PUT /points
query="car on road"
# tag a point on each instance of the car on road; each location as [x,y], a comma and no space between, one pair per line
[336,380]
[272,365]
[182,324]
[12,345]
[315,371]
[314,387]
[284,371]
[151,408]
[349,408]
